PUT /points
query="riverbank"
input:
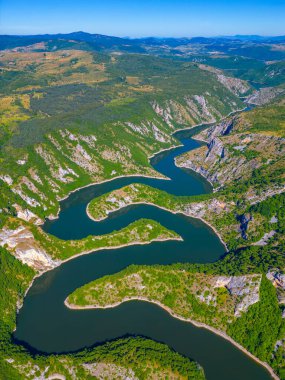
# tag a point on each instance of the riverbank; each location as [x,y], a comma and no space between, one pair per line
[165,209]
[211,122]
[53,217]
[161,176]
[189,320]
[178,238]
[217,332]
[158,176]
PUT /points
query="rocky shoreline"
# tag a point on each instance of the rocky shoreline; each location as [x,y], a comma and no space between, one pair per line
[165,209]
[52,217]
[197,324]
[193,322]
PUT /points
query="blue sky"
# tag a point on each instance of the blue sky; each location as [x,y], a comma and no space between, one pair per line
[143,18]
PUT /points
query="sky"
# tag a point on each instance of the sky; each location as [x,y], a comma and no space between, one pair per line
[133,18]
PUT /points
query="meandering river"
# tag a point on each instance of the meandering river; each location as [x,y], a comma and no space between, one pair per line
[46,325]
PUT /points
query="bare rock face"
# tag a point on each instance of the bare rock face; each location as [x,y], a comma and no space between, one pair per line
[246,288]
[265,238]
[215,149]
[22,244]
[164,113]
[243,289]
[222,129]
[204,160]
[199,209]
[27,215]
[277,278]
[235,85]
[154,130]
[103,371]
[231,156]
[192,110]
[190,164]
[264,95]
[6,178]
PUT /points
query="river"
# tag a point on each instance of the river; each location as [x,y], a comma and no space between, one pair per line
[45,324]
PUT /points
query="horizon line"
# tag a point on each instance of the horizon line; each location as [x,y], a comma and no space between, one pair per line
[146,36]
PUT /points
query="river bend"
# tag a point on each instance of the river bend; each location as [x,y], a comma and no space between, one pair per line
[45,324]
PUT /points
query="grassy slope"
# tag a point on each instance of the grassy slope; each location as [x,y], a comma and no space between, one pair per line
[175,286]
[99,207]
[147,359]
[252,330]
[121,90]
[268,120]
[62,96]
[178,289]
[139,232]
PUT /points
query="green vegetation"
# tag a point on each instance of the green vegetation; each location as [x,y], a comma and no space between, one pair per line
[73,113]
[273,211]
[69,106]
[148,359]
[187,290]
[269,119]
[253,70]
[99,207]
[15,279]
[141,231]
[189,295]
[240,224]
[260,327]
[214,208]
[143,357]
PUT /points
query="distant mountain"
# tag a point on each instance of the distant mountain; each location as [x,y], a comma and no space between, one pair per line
[251,46]
[256,38]
[95,41]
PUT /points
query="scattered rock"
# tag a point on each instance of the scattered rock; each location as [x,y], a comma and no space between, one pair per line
[266,237]
[264,95]
[27,215]
[22,244]
[21,162]
[277,278]
[244,287]
[104,371]
[274,219]
[6,178]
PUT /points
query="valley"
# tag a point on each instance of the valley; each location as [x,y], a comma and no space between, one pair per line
[158,168]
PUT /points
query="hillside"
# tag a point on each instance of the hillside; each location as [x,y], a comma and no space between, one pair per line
[244,159]
[79,109]
[58,134]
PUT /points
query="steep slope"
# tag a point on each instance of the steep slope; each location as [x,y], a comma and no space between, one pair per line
[239,145]
[67,137]
[71,117]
